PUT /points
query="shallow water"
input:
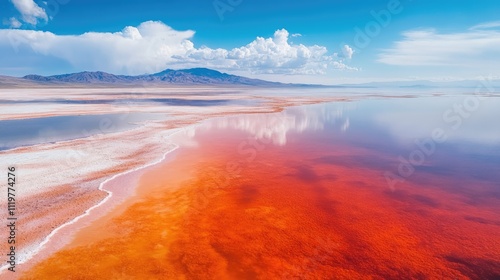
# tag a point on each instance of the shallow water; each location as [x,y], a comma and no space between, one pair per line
[381,187]
[348,190]
[137,101]
[26,132]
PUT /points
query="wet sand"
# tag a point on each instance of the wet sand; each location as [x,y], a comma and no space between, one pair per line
[213,212]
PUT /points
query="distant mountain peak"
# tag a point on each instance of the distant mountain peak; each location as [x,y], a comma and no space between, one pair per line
[167,76]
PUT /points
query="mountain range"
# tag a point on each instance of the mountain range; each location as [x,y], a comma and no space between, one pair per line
[204,76]
[194,76]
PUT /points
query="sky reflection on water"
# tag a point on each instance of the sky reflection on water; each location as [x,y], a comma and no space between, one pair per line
[399,131]
[322,170]
[26,132]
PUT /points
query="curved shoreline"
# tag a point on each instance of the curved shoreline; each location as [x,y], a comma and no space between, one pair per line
[87,212]
[37,248]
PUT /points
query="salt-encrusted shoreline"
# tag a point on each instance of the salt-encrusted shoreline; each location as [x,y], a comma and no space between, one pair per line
[88,211]
[33,252]
[117,164]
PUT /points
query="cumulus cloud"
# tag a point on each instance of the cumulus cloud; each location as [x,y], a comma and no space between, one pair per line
[30,12]
[347,52]
[153,46]
[274,55]
[478,44]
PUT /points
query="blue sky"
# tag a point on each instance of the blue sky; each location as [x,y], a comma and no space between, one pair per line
[301,41]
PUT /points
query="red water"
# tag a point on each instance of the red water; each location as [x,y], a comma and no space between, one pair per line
[237,207]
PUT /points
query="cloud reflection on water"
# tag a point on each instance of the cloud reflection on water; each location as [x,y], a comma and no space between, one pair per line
[277,126]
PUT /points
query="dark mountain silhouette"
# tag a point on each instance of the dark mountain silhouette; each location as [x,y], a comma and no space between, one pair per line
[169,76]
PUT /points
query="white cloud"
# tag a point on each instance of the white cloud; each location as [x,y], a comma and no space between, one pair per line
[30,11]
[274,55]
[154,46]
[296,35]
[479,46]
[12,22]
[486,25]
[347,52]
